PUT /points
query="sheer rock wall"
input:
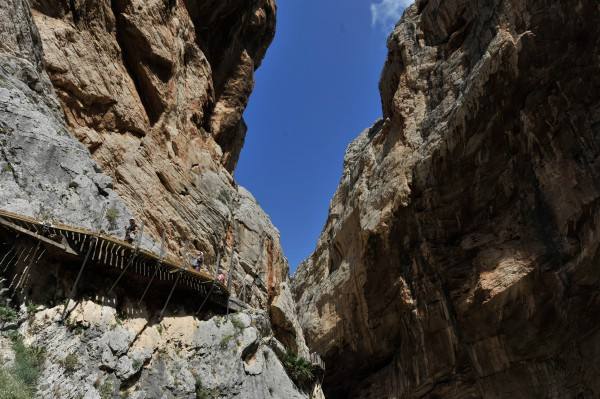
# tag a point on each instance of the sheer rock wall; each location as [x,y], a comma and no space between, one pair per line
[459,258]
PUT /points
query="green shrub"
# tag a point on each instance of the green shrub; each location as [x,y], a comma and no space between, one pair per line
[204,393]
[225,341]
[137,364]
[10,387]
[28,363]
[106,390]
[112,215]
[237,323]
[31,308]
[75,327]
[70,363]
[299,369]
[7,314]
[19,381]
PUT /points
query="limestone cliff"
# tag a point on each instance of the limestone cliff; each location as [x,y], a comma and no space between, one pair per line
[136,107]
[460,255]
[156,91]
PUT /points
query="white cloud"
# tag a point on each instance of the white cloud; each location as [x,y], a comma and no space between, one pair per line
[387,12]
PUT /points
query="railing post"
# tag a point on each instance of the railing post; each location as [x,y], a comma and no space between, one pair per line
[170,294]
[13,258]
[29,263]
[32,263]
[212,287]
[6,254]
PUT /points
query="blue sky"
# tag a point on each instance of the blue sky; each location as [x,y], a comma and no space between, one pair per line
[316,90]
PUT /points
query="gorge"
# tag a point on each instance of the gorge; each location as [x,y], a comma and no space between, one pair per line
[459,258]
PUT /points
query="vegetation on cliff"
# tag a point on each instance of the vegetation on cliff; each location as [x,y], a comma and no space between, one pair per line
[19,380]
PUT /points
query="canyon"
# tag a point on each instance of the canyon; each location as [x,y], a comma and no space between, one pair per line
[458,259]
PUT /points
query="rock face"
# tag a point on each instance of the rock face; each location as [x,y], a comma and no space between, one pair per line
[459,256]
[99,354]
[156,91]
[43,171]
[136,107]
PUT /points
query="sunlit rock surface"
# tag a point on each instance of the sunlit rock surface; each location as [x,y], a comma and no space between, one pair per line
[98,353]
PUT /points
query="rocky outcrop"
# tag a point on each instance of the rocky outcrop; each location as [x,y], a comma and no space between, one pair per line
[181,71]
[459,256]
[99,353]
[111,343]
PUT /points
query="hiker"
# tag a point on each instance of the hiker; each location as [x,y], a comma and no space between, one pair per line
[199,261]
[46,229]
[131,231]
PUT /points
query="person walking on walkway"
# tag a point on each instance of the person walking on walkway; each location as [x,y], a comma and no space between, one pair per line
[199,261]
[131,231]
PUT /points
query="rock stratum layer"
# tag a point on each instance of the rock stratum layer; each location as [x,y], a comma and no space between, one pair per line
[460,255]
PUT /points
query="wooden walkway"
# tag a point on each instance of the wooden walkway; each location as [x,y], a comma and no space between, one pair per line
[118,254]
